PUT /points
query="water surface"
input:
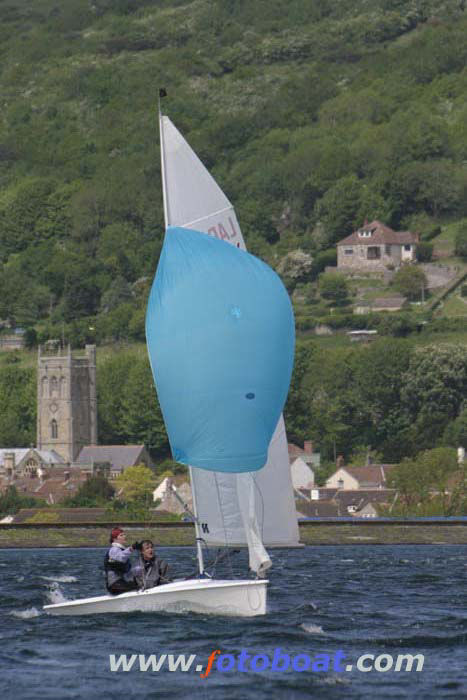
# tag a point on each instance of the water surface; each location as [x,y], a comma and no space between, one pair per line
[358,599]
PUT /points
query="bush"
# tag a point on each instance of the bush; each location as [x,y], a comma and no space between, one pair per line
[460,245]
[424,225]
[445,325]
[44,516]
[424,252]
[327,258]
[410,281]
[11,501]
[464,290]
[333,287]
[397,325]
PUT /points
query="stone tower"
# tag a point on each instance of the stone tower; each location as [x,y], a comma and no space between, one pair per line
[66,401]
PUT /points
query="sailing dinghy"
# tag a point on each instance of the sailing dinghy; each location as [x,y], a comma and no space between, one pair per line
[220,340]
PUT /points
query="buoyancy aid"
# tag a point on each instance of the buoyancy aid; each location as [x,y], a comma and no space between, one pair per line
[118,567]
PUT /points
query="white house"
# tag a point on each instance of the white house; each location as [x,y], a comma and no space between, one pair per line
[302,474]
[375,246]
[168,501]
[373,476]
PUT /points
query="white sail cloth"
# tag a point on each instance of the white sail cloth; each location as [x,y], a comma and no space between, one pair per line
[232,509]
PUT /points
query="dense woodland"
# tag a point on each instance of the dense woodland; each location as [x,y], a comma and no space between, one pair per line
[311,114]
[391,397]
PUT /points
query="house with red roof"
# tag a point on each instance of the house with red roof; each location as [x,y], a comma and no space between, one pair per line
[377,247]
[371,476]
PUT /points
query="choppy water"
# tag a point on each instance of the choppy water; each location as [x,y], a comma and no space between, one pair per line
[358,599]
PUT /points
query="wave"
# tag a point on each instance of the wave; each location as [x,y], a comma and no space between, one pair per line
[55,595]
[26,614]
[60,579]
[312,629]
[416,641]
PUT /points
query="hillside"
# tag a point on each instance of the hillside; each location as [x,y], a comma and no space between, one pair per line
[311,115]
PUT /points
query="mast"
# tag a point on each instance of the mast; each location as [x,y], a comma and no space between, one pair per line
[199,549]
[162,93]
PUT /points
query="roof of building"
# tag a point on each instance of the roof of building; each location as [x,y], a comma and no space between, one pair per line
[318,509]
[393,302]
[47,456]
[295,451]
[360,497]
[380,233]
[119,456]
[53,486]
[373,475]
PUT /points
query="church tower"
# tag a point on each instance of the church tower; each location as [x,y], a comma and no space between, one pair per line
[66,401]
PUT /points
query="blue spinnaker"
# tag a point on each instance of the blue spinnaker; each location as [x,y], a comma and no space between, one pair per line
[220,337]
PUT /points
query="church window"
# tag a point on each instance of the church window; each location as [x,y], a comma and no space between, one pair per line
[45,385]
[54,429]
[53,386]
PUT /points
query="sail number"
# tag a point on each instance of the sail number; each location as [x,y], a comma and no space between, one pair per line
[204,527]
[225,233]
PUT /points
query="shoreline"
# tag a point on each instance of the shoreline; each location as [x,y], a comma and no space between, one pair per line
[89,536]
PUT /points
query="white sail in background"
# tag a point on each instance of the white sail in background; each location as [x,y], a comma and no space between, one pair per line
[232,509]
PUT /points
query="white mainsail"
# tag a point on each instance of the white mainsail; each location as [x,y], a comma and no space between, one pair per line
[232,509]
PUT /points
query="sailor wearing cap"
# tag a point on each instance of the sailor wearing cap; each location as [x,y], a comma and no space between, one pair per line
[119,576]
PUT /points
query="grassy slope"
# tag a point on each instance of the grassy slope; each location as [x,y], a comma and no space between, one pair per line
[309,534]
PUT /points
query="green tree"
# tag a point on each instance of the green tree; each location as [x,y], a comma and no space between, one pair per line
[296,411]
[136,485]
[410,281]
[24,206]
[141,419]
[18,406]
[460,245]
[424,251]
[11,501]
[338,208]
[333,287]
[455,434]
[379,381]
[337,416]
[95,491]
[433,390]
[112,376]
[422,483]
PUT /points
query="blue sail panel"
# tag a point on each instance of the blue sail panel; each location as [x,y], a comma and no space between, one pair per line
[220,337]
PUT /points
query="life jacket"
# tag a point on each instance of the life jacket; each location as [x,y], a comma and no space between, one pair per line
[119,568]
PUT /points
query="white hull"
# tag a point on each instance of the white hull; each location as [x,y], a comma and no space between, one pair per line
[218,597]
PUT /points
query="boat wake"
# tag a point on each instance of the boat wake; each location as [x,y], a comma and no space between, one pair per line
[312,629]
[26,614]
[60,579]
[55,594]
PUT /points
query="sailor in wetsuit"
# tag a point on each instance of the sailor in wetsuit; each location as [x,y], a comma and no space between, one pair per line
[152,571]
[119,574]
